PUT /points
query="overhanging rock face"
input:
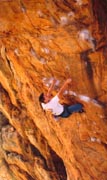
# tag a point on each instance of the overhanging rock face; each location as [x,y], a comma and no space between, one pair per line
[40,40]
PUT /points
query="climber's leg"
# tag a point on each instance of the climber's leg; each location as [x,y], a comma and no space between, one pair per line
[65,113]
[75,108]
[68,110]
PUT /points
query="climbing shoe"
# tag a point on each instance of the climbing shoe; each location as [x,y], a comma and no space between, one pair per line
[82,111]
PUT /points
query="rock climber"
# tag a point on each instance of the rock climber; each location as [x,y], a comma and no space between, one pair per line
[50,103]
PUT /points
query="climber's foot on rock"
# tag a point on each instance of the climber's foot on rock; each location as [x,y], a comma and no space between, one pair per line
[82,111]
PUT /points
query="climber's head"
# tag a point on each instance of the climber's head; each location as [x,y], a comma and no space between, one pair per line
[41,98]
[44,98]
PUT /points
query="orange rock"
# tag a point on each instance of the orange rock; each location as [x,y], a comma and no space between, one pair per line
[40,40]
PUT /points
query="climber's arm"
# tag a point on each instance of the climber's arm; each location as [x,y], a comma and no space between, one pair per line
[64,86]
[51,88]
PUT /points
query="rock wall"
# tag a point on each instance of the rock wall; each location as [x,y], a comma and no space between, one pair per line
[39,40]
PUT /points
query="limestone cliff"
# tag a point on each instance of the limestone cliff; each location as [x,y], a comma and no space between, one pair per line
[39,40]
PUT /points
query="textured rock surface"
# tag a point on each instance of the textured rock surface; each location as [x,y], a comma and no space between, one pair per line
[40,40]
